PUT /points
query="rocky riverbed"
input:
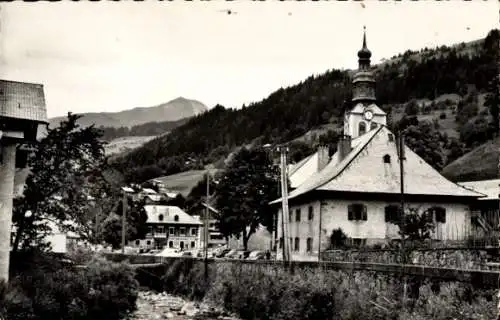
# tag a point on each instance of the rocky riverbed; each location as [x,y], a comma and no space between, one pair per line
[156,306]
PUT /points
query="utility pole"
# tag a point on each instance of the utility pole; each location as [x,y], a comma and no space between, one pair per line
[402,158]
[205,233]
[284,212]
[124,220]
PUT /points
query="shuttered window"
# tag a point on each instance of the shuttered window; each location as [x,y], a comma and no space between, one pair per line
[357,211]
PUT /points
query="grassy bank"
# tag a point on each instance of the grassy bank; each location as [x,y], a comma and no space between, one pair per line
[269,292]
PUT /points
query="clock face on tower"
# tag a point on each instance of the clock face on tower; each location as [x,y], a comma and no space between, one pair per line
[368,115]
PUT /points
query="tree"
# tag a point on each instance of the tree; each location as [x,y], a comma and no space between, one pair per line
[424,140]
[136,227]
[59,183]
[415,226]
[243,194]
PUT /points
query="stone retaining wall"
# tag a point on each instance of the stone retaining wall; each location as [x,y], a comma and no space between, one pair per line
[461,258]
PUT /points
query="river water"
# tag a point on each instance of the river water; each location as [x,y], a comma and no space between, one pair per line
[155,306]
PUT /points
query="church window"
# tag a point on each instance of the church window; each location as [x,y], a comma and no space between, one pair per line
[373,125]
[357,212]
[387,158]
[361,128]
[392,214]
[439,213]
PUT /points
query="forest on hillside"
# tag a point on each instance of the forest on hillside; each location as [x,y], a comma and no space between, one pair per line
[146,129]
[289,113]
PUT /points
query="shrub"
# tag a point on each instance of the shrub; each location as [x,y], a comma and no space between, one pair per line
[103,290]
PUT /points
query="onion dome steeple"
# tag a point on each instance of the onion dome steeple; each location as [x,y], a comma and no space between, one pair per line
[364,82]
[364,54]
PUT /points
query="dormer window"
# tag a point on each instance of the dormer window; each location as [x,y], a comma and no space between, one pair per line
[160,217]
[176,218]
[387,158]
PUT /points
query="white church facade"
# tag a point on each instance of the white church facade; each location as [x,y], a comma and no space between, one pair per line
[358,189]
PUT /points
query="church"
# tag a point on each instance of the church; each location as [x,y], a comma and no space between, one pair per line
[358,188]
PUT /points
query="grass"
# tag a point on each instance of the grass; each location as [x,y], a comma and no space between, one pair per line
[479,164]
[185,181]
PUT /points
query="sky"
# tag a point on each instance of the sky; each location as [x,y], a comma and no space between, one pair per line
[112,56]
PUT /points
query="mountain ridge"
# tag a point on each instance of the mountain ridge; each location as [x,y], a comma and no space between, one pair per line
[173,110]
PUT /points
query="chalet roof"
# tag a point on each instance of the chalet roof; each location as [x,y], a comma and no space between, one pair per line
[22,100]
[491,188]
[169,213]
[363,170]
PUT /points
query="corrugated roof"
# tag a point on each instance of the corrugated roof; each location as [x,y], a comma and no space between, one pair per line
[169,213]
[363,170]
[22,100]
[491,188]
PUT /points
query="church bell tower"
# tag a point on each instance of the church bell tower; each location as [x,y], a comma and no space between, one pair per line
[365,115]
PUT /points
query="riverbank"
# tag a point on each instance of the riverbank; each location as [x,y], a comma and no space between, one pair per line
[157,306]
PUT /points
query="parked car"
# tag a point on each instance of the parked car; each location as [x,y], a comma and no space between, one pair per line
[223,253]
[257,255]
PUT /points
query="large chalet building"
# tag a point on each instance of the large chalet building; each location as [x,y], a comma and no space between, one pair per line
[358,188]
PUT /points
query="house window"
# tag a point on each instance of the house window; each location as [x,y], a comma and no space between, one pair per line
[290,215]
[357,212]
[281,243]
[391,137]
[361,128]
[387,158]
[150,229]
[159,230]
[176,218]
[160,217]
[193,244]
[170,244]
[194,231]
[181,245]
[297,215]
[392,214]
[439,214]
[148,243]
[183,231]
[297,244]
[171,230]
[309,244]
[373,125]
[310,214]
[137,242]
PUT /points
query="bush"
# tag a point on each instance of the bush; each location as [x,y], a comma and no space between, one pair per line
[103,290]
[442,115]
[255,291]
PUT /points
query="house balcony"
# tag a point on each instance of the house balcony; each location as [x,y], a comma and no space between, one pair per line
[160,235]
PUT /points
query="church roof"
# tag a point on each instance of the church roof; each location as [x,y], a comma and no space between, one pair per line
[363,170]
[22,100]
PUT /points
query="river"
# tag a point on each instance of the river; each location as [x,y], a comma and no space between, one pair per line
[155,306]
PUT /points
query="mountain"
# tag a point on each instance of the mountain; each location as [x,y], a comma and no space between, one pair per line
[446,88]
[173,110]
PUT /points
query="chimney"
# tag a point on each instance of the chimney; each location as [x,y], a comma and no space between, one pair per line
[323,157]
[343,146]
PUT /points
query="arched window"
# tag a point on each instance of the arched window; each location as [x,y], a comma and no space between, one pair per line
[373,125]
[176,218]
[160,217]
[361,128]
[387,158]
